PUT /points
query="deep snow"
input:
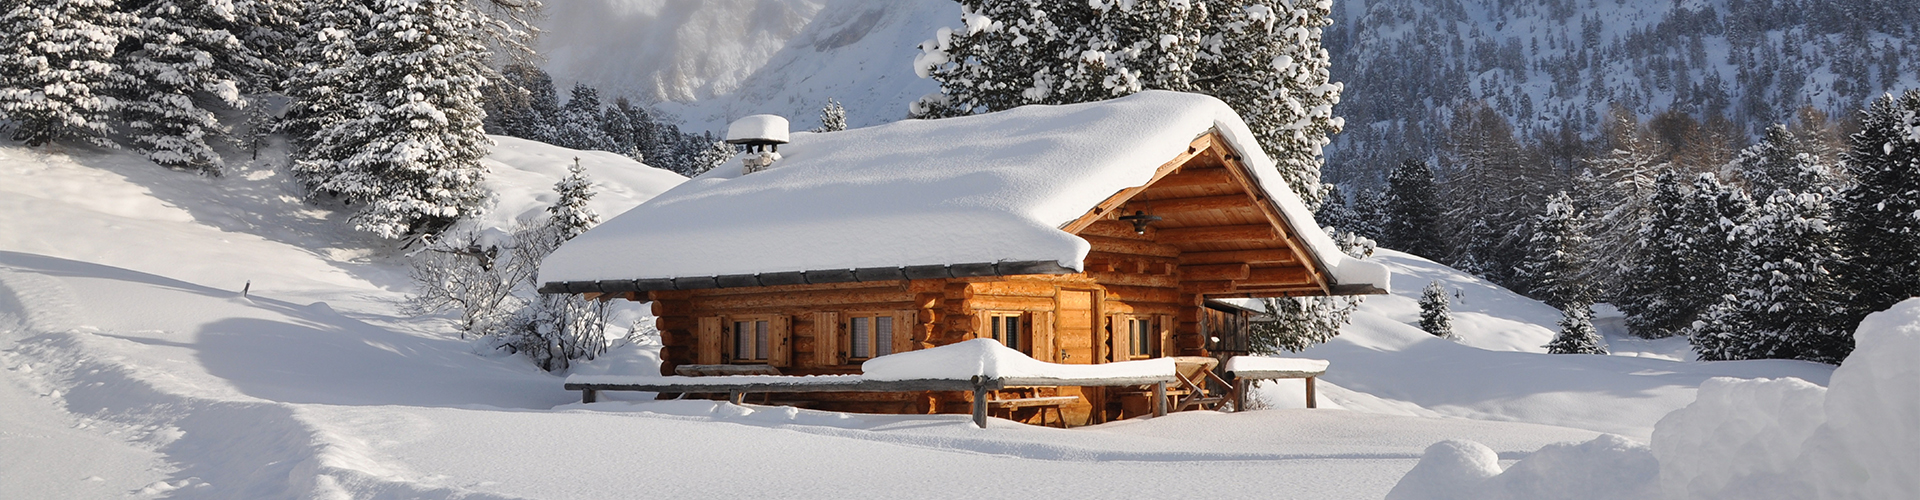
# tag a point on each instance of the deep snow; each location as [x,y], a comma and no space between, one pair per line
[131,357]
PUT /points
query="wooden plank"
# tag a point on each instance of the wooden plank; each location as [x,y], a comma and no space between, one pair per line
[1292,275]
[1196,177]
[1312,400]
[1189,205]
[1040,328]
[1214,272]
[1122,337]
[826,338]
[1115,229]
[1244,177]
[1206,287]
[805,300]
[1165,324]
[904,321]
[1241,233]
[1253,257]
[1133,279]
[1125,246]
[1034,401]
[708,340]
[780,339]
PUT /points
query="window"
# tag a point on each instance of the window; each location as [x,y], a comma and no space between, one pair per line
[872,335]
[1141,339]
[1010,330]
[751,340]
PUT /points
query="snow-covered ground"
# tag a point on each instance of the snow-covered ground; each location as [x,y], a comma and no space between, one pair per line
[134,366]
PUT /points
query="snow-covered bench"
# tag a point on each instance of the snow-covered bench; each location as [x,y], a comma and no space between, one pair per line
[1246,369]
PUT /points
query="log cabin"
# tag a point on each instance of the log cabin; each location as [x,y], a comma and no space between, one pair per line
[1084,233]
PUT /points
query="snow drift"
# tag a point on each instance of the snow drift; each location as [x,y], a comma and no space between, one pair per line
[1761,439]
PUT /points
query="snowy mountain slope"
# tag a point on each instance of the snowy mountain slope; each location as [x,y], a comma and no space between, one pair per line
[708,63]
[1384,363]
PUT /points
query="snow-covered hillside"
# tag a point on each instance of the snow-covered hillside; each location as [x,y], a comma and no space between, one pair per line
[133,361]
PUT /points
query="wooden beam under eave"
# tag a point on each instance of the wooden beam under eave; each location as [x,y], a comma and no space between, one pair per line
[1249,232]
[1131,247]
[1199,145]
[1214,272]
[1188,205]
[1196,177]
[1253,257]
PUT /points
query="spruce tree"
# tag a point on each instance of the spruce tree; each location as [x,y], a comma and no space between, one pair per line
[716,153]
[833,117]
[580,122]
[1334,212]
[1413,212]
[570,214]
[325,90]
[1435,317]
[539,118]
[1370,213]
[57,73]
[1296,323]
[183,51]
[1879,231]
[1778,162]
[1687,246]
[416,148]
[619,131]
[1577,335]
[1556,259]
[1786,301]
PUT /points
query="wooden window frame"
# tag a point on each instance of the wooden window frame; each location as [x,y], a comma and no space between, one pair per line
[1024,338]
[779,340]
[848,334]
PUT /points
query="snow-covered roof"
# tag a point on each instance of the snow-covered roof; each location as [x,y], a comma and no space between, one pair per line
[986,190]
[756,128]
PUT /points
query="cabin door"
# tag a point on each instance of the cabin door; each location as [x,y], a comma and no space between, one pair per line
[1077,320]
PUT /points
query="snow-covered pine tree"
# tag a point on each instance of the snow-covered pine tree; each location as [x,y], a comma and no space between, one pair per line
[415,165]
[1577,335]
[580,125]
[539,118]
[1435,315]
[183,51]
[1334,212]
[717,153]
[1786,300]
[1879,231]
[1778,162]
[1413,212]
[833,117]
[1262,57]
[1296,323]
[570,214]
[1687,247]
[57,72]
[1556,259]
[619,131]
[1370,213]
[326,90]
[1619,191]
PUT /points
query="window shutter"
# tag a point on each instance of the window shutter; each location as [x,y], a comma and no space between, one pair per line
[708,345]
[904,324]
[1122,338]
[1164,324]
[778,336]
[1040,324]
[826,339]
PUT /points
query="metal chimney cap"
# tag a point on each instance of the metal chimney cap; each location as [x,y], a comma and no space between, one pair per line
[758,129]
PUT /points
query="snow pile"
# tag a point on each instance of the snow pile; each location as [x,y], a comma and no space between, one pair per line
[1741,439]
[987,358]
[765,127]
[521,174]
[712,380]
[976,189]
[1609,467]
[1272,364]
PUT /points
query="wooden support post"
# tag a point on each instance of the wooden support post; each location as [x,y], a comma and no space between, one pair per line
[1159,399]
[1240,394]
[1310,398]
[589,395]
[980,401]
[736,397]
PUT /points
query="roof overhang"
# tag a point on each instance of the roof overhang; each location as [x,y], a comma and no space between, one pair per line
[936,271]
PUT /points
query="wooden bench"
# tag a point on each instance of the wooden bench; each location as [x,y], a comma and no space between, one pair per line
[1044,403]
[1244,378]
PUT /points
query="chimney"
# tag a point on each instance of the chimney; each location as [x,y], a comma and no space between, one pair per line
[762,135]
